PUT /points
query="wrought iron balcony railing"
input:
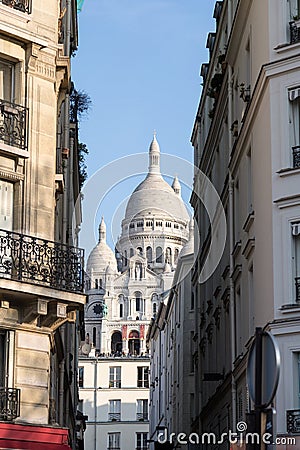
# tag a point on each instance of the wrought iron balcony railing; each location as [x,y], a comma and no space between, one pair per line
[35,260]
[293,421]
[296,156]
[114,417]
[20,5]
[294,32]
[297,284]
[13,124]
[9,403]
[141,416]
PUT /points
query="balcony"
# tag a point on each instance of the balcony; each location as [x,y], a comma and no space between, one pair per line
[142,417]
[13,125]
[38,261]
[9,403]
[114,417]
[20,5]
[297,284]
[294,31]
[293,421]
[296,157]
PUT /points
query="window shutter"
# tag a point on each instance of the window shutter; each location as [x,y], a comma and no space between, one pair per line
[6,205]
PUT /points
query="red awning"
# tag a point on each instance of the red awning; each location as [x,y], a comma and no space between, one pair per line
[31,437]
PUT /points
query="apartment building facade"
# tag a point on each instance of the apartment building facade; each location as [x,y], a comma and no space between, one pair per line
[41,267]
[246,141]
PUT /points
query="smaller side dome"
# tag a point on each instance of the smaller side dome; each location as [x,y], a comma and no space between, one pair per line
[176,186]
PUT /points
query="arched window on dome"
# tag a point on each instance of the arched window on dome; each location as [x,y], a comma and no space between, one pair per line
[176,253]
[168,255]
[149,254]
[125,258]
[159,255]
[131,252]
[139,251]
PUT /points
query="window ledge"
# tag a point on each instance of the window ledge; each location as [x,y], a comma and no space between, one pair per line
[14,13]
[286,46]
[290,308]
[288,171]
[13,151]
[249,221]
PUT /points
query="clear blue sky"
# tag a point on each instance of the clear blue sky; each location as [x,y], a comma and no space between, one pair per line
[139,60]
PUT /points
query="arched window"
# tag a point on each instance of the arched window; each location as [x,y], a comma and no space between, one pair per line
[121,310]
[139,251]
[116,342]
[134,342]
[149,254]
[96,283]
[159,255]
[131,252]
[176,253]
[100,283]
[169,255]
[125,258]
[154,309]
[121,305]
[94,336]
[138,301]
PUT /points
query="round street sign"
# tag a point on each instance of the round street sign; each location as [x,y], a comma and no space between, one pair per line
[270,368]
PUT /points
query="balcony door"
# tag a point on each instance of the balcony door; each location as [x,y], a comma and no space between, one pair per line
[6,205]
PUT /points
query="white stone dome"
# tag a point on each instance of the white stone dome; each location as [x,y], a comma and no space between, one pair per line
[102,255]
[154,195]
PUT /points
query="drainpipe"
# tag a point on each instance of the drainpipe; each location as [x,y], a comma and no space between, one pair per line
[231,245]
[61,381]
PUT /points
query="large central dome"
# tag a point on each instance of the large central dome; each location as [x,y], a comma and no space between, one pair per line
[154,196]
[155,226]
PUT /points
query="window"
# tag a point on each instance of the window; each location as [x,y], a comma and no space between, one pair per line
[294,121]
[159,255]
[296,259]
[121,310]
[138,302]
[114,441]
[141,441]
[154,309]
[143,377]
[149,254]
[6,349]
[114,414]
[115,377]
[168,255]
[80,376]
[6,205]
[142,410]
[7,81]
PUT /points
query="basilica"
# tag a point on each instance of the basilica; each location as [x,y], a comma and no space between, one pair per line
[125,288]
